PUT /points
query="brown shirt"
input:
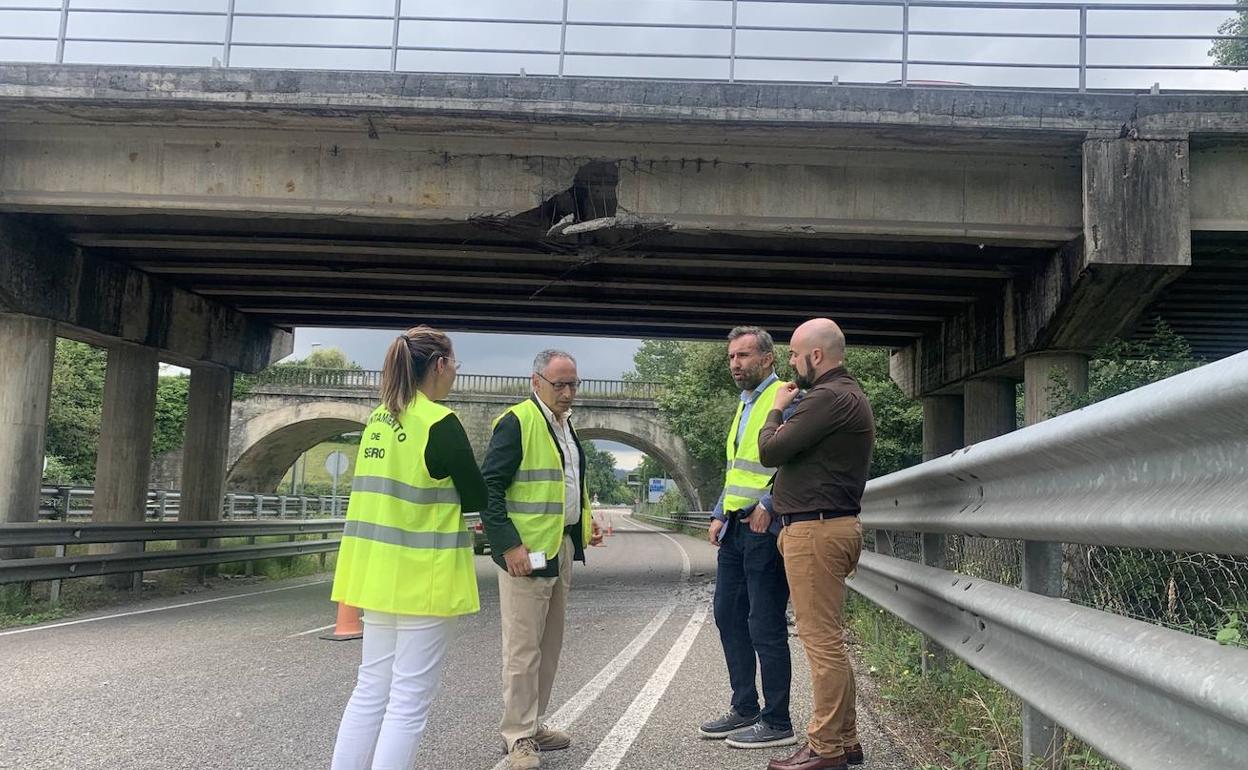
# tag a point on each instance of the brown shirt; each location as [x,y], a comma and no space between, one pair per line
[823,454]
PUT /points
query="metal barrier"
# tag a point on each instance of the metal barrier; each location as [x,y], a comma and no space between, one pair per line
[495,384]
[66,503]
[719,39]
[1164,466]
[63,566]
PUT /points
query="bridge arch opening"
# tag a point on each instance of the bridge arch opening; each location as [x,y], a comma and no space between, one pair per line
[679,472]
[270,443]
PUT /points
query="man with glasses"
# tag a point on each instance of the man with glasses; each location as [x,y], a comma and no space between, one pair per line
[538,522]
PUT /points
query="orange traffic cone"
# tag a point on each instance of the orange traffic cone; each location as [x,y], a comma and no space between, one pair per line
[347,626]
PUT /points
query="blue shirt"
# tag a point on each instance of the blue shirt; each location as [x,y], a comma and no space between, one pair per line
[748,397]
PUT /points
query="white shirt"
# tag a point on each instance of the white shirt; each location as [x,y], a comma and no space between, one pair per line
[571,463]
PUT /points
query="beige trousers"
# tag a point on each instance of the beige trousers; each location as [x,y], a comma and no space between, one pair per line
[533,612]
[818,556]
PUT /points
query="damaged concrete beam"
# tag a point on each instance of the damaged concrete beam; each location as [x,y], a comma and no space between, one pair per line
[44,276]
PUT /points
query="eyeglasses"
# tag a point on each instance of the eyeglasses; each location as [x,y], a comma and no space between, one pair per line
[572,385]
[454,363]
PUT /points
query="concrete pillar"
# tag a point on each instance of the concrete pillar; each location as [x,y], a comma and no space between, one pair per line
[27,352]
[123,465]
[1048,377]
[942,434]
[207,447]
[990,408]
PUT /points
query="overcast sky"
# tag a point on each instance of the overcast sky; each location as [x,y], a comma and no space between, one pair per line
[201,38]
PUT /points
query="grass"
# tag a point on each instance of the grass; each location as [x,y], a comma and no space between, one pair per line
[976,723]
[317,476]
[20,607]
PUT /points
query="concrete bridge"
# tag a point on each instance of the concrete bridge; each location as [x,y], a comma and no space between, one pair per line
[290,410]
[986,236]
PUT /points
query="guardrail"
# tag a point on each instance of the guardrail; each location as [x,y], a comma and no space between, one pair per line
[67,502]
[63,566]
[794,40]
[282,377]
[1164,467]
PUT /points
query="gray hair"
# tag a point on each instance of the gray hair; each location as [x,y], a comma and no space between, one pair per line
[765,343]
[543,359]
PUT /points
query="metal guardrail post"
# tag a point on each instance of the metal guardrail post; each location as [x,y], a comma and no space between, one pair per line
[250,569]
[905,43]
[162,503]
[394,40]
[258,501]
[230,502]
[54,593]
[60,35]
[563,37]
[303,507]
[281,506]
[324,536]
[64,495]
[229,34]
[732,49]
[1083,48]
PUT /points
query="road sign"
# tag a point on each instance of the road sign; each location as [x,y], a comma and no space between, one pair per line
[337,463]
[657,488]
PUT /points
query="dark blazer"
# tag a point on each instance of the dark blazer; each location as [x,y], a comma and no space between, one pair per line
[502,460]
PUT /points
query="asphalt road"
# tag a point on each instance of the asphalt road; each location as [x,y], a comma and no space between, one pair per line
[238,679]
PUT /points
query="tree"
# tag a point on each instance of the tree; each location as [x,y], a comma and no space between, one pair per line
[1233,53]
[73,432]
[327,358]
[601,480]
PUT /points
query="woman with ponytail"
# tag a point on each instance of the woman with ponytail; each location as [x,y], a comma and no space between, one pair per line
[406,555]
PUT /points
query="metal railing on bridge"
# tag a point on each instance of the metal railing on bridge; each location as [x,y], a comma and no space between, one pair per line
[900,42]
[67,503]
[1164,467]
[313,378]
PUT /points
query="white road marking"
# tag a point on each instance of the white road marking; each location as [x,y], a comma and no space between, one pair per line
[685,568]
[158,609]
[569,712]
[617,742]
[311,631]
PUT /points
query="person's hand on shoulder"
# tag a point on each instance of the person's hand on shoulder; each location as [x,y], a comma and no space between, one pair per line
[788,392]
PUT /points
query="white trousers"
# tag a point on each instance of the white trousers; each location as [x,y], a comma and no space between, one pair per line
[398,677]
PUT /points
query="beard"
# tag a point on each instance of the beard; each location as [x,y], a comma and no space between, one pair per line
[805,381]
[749,380]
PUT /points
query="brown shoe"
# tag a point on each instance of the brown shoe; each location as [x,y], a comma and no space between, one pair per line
[551,739]
[525,754]
[806,759]
[853,754]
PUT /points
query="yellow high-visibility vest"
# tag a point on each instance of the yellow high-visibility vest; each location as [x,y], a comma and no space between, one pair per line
[405,548]
[746,478]
[535,498]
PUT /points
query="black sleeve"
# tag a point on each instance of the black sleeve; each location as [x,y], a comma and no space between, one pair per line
[449,453]
[502,460]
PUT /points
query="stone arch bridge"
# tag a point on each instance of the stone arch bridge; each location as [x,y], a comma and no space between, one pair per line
[290,410]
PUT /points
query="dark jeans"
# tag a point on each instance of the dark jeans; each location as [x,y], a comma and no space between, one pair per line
[751,593]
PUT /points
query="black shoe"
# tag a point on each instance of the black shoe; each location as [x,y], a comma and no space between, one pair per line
[761,735]
[726,725]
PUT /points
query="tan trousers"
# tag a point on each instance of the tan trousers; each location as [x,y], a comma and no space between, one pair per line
[532,612]
[818,556]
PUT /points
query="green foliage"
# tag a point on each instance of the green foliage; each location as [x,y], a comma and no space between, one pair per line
[700,399]
[74,411]
[57,472]
[976,722]
[600,470]
[171,406]
[1232,53]
[1124,365]
[1232,632]
[323,358]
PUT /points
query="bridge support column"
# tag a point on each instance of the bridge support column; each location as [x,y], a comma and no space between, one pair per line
[1049,378]
[27,351]
[991,410]
[942,434]
[205,452]
[125,453]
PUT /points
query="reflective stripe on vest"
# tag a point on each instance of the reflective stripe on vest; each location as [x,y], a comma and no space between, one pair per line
[535,498]
[745,476]
[405,548]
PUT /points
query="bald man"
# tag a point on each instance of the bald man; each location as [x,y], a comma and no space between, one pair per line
[822,454]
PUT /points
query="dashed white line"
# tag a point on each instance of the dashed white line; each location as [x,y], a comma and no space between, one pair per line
[159,609]
[617,742]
